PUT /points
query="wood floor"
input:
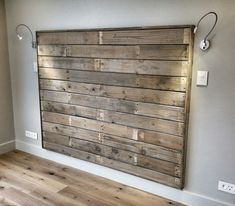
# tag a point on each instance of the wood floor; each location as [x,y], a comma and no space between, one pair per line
[27,180]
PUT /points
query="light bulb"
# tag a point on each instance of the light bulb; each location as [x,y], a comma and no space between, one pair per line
[19,37]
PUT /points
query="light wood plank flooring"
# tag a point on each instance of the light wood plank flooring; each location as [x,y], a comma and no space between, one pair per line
[27,180]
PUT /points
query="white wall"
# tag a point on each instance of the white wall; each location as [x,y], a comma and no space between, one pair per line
[6,108]
[211,142]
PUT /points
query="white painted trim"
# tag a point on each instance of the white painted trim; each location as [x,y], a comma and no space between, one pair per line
[182,196]
[7,147]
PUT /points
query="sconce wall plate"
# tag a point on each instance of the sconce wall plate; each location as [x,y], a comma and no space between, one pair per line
[205,43]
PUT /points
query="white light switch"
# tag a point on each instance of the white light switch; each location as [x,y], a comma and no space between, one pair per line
[35,67]
[202,78]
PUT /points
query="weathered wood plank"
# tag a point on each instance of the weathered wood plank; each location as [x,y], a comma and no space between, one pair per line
[127,157]
[157,52]
[147,36]
[52,38]
[57,50]
[139,95]
[124,93]
[158,138]
[56,138]
[82,37]
[62,97]
[164,52]
[160,141]
[161,111]
[131,120]
[146,109]
[57,132]
[116,79]
[175,128]
[138,171]
[150,67]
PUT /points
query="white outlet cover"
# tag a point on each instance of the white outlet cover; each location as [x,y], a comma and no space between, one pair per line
[31,135]
[226,187]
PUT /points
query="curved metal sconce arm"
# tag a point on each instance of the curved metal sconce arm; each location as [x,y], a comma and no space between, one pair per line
[205,43]
[34,44]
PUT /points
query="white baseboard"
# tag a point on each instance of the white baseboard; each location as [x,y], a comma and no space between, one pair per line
[7,147]
[182,196]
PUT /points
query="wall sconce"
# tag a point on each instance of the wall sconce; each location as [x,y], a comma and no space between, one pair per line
[205,43]
[34,44]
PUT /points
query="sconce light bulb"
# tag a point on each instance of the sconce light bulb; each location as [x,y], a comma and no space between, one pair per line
[19,37]
[195,30]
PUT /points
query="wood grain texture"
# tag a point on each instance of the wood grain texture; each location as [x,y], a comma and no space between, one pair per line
[147,109]
[157,145]
[158,52]
[68,38]
[116,79]
[118,98]
[151,36]
[174,128]
[52,133]
[140,109]
[151,67]
[144,36]
[79,188]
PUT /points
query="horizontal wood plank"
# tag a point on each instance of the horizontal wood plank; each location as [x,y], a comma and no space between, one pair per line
[150,67]
[140,36]
[138,171]
[154,144]
[82,37]
[127,157]
[175,128]
[116,79]
[61,134]
[147,36]
[157,52]
[162,111]
[146,109]
[131,120]
[123,94]
[108,128]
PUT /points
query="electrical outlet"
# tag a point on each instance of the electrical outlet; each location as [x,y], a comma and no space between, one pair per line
[226,187]
[31,135]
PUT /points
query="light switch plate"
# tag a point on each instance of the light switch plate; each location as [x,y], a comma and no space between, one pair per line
[202,78]
[35,67]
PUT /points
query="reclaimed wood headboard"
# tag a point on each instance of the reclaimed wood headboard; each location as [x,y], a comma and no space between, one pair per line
[118,97]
